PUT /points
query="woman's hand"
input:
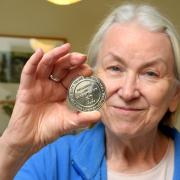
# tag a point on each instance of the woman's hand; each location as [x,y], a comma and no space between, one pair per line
[41,113]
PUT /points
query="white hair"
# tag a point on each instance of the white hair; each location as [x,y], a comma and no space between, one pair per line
[148,17]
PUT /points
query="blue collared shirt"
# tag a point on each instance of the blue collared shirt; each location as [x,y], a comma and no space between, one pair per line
[78,157]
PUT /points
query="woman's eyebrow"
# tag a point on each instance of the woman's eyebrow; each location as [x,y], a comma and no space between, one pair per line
[151,62]
[155,61]
[116,58]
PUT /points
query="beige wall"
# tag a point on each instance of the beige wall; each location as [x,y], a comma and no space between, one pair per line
[77,22]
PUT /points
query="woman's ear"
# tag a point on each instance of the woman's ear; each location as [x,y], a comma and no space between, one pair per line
[175,99]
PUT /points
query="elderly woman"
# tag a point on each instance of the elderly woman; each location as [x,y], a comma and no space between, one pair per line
[136,54]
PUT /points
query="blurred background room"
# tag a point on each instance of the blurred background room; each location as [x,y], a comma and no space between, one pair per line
[26,25]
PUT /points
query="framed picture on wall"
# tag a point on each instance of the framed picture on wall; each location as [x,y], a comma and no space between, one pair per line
[16,50]
[11,64]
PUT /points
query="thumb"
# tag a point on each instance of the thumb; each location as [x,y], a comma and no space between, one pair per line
[87,118]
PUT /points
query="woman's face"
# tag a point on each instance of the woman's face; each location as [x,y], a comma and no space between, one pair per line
[136,66]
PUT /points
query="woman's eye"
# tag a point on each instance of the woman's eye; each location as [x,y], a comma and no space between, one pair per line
[115,68]
[152,74]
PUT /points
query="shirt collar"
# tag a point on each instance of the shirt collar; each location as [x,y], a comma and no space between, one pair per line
[88,157]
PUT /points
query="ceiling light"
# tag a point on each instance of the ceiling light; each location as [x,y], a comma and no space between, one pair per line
[63,2]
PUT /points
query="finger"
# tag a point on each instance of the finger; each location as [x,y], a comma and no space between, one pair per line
[28,72]
[83,70]
[66,63]
[88,118]
[49,59]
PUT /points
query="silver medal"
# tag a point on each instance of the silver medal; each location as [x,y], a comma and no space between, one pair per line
[86,93]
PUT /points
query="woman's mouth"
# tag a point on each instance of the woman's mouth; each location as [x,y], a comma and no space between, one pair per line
[125,110]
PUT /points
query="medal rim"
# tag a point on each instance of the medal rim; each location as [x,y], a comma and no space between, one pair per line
[79,107]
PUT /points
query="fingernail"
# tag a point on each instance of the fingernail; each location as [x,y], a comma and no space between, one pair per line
[66,45]
[39,50]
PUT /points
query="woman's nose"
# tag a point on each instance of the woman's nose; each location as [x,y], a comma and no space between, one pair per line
[128,89]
